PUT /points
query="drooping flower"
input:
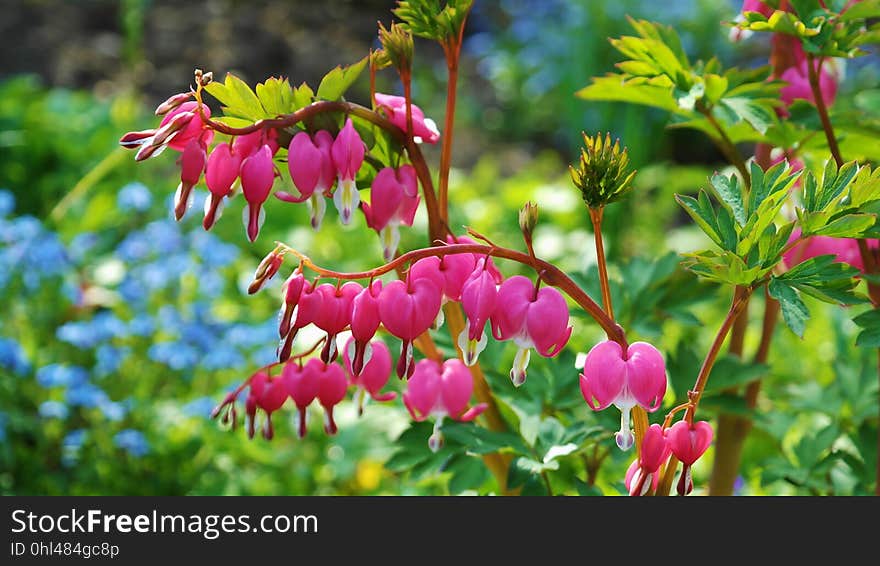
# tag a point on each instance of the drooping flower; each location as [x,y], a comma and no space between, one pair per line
[223,168]
[291,291]
[365,322]
[478,299]
[192,164]
[373,375]
[440,391]
[688,442]
[257,177]
[424,129]
[335,313]
[798,87]
[302,385]
[532,318]
[394,200]
[626,379]
[311,169]
[642,476]
[407,309]
[172,102]
[348,156]
[265,393]
[302,314]
[332,387]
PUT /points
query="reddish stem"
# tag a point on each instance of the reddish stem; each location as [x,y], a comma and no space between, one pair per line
[596,215]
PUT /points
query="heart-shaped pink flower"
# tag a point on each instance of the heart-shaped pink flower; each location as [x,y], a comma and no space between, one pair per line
[637,377]
[374,372]
[332,387]
[688,442]
[267,394]
[335,313]
[302,385]
[364,324]
[408,309]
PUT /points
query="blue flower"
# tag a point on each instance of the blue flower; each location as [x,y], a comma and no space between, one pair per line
[13,357]
[59,375]
[133,248]
[223,358]
[7,202]
[132,441]
[134,197]
[75,439]
[86,395]
[211,250]
[109,358]
[112,410]
[200,407]
[141,325]
[176,355]
[53,410]
[164,236]
[81,245]
[77,333]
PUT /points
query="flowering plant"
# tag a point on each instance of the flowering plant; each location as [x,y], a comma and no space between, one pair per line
[784,224]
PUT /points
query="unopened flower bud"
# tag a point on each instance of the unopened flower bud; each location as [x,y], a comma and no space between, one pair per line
[528,218]
[172,102]
[266,271]
[602,174]
[398,47]
[132,140]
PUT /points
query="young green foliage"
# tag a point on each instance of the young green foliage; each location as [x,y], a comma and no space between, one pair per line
[425,18]
[658,73]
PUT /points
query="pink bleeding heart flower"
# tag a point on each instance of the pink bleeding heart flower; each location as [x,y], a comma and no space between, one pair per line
[192,164]
[222,170]
[248,144]
[688,442]
[407,309]
[311,169]
[348,156]
[303,314]
[291,291]
[440,391]
[478,300]
[332,387]
[373,375]
[335,313]
[449,273]
[532,318]
[267,394]
[193,129]
[424,129]
[490,265]
[642,474]
[393,201]
[845,250]
[302,384]
[798,86]
[365,322]
[626,379]
[257,178]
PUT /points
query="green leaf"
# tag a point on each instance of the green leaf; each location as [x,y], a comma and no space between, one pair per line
[758,115]
[275,96]
[237,98]
[701,211]
[849,226]
[729,192]
[338,80]
[869,338]
[303,95]
[614,88]
[794,311]
[731,371]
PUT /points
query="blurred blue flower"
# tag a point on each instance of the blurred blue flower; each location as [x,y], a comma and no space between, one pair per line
[223,357]
[77,333]
[133,248]
[108,358]
[141,325]
[7,202]
[211,284]
[264,356]
[81,245]
[134,197]
[176,355]
[133,291]
[211,250]
[132,441]
[112,410]
[200,407]
[251,335]
[60,375]
[53,410]
[13,357]
[86,395]
[75,439]
[164,236]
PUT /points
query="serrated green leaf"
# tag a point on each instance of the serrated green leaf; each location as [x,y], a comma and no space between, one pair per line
[728,190]
[756,114]
[339,79]
[704,218]
[869,338]
[849,226]
[276,96]
[794,311]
